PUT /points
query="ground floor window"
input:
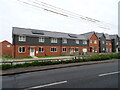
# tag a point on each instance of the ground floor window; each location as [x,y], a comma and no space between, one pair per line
[41,49]
[64,49]
[76,49]
[53,49]
[21,49]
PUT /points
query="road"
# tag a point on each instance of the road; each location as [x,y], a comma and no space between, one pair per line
[103,75]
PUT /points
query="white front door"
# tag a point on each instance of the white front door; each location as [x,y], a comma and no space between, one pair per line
[32,52]
[71,51]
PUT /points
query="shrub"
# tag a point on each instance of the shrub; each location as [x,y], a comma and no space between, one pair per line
[42,63]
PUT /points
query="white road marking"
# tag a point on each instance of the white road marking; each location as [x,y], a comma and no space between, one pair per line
[47,85]
[108,73]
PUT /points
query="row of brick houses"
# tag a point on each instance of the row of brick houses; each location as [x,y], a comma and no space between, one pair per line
[31,42]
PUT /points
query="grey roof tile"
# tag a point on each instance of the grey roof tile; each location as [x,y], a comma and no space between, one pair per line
[27,31]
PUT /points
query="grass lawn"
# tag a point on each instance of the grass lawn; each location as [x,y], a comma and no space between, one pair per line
[27,57]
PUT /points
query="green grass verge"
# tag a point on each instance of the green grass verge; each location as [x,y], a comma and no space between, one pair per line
[43,63]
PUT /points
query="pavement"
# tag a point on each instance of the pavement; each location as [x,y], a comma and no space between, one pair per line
[100,75]
[49,67]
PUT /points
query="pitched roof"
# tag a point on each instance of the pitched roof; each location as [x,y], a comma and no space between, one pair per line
[28,32]
[113,36]
[87,35]
[99,34]
[107,37]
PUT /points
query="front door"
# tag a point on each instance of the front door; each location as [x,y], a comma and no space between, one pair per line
[90,49]
[71,51]
[32,52]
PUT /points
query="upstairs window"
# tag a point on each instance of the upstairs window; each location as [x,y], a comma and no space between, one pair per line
[64,40]
[117,43]
[90,41]
[103,42]
[41,49]
[77,41]
[53,40]
[22,38]
[53,49]
[64,49]
[85,42]
[21,49]
[8,45]
[95,41]
[41,39]
[106,43]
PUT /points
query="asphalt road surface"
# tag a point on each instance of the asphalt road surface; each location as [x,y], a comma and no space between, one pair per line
[103,75]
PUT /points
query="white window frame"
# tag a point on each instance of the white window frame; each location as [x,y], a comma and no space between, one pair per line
[77,42]
[53,51]
[41,39]
[110,49]
[64,48]
[117,43]
[103,49]
[90,41]
[84,42]
[95,41]
[22,38]
[21,47]
[53,40]
[64,40]
[106,43]
[103,42]
[41,49]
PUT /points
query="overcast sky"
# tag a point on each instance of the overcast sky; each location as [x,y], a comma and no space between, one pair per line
[17,14]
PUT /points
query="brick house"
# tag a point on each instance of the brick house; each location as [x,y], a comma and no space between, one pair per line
[31,42]
[108,44]
[115,42]
[93,42]
[102,42]
[6,48]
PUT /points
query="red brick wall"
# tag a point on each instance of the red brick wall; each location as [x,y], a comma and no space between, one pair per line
[6,50]
[47,50]
[94,37]
[109,45]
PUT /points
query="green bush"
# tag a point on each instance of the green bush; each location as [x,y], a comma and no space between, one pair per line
[43,63]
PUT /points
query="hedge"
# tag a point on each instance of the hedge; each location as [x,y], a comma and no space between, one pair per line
[43,63]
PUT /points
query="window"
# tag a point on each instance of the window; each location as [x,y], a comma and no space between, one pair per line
[106,43]
[21,49]
[85,42]
[64,49]
[106,49]
[22,38]
[95,41]
[110,50]
[64,40]
[103,42]
[76,49]
[41,49]
[77,41]
[103,49]
[84,50]
[90,41]
[41,39]
[53,49]
[53,40]
[8,45]
[117,43]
